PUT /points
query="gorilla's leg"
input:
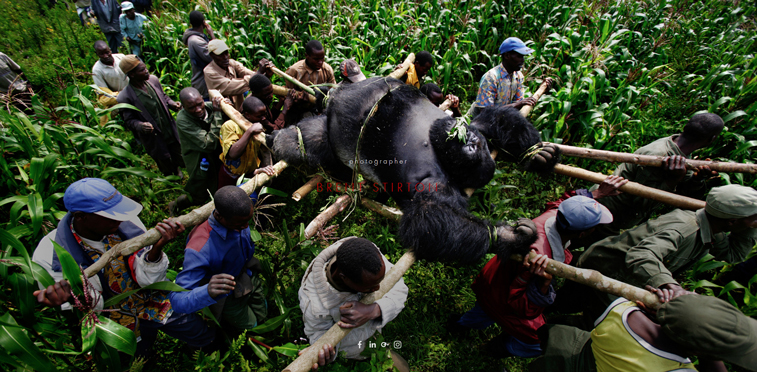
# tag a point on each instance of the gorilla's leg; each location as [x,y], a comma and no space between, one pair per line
[508,131]
[438,227]
[285,144]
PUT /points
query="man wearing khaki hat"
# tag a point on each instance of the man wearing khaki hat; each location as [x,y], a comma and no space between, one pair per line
[226,75]
[654,252]
[151,122]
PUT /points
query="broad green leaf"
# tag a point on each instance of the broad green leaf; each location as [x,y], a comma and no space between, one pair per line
[164,286]
[88,337]
[35,211]
[7,238]
[106,358]
[71,270]
[734,115]
[273,323]
[7,359]
[258,350]
[116,336]
[268,190]
[289,349]
[17,343]
[23,286]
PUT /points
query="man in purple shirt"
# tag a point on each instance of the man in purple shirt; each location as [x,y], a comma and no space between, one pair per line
[220,270]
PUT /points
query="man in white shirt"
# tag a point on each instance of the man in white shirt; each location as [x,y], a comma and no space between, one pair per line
[107,75]
[99,218]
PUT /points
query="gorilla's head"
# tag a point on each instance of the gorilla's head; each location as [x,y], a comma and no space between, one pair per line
[462,152]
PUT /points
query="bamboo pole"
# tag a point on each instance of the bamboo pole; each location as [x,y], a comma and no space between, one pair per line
[294,81]
[405,65]
[321,219]
[445,105]
[654,161]
[307,188]
[633,188]
[526,110]
[195,217]
[388,212]
[335,335]
[283,91]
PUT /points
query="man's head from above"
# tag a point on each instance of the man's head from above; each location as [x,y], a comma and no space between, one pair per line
[433,92]
[350,71]
[191,101]
[579,215]
[134,69]
[97,207]
[196,19]
[710,327]
[128,8]
[513,52]
[234,208]
[219,52]
[253,109]
[359,265]
[314,55]
[732,208]
[423,63]
[103,52]
[703,129]
[261,87]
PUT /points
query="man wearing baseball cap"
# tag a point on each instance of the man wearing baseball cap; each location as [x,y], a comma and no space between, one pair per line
[503,85]
[653,253]
[226,75]
[99,217]
[514,294]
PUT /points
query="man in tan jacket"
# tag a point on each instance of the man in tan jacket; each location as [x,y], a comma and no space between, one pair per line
[226,75]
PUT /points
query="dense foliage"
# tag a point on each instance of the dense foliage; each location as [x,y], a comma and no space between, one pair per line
[628,72]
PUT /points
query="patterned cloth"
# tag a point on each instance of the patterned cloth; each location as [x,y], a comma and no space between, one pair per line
[249,161]
[497,87]
[148,304]
[412,77]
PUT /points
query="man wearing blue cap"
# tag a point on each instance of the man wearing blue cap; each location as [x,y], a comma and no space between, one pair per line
[515,294]
[98,218]
[503,85]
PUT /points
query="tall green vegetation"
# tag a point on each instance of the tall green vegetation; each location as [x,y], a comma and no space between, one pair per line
[628,72]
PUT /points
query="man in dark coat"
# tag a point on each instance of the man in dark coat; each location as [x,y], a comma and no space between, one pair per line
[152,124]
[108,13]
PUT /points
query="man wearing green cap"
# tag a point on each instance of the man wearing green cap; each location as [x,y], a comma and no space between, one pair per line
[626,338]
[653,252]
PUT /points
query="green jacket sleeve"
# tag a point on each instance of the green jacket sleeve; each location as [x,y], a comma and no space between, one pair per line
[200,139]
[645,261]
[735,247]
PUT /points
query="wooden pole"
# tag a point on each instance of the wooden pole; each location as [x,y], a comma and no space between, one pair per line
[321,219]
[654,161]
[445,105]
[234,115]
[307,188]
[336,333]
[405,65]
[634,188]
[195,217]
[526,110]
[283,91]
[388,212]
[294,81]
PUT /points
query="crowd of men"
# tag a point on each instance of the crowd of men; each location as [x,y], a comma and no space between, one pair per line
[220,270]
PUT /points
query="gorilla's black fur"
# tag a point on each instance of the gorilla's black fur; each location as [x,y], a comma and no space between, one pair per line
[381,119]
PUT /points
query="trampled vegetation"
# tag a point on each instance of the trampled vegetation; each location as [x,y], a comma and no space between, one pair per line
[628,72]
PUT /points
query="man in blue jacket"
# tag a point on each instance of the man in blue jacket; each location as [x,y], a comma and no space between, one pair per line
[220,270]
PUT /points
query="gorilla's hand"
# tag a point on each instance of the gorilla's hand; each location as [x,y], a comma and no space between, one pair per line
[544,160]
[321,95]
[515,239]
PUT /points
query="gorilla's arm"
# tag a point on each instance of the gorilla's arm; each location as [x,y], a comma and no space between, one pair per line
[438,227]
[508,131]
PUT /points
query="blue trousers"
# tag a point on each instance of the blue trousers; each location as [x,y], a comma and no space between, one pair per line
[476,318]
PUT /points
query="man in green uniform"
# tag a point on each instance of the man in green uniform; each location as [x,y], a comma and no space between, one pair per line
[627,339]
[653,253]
[630,210]
[199,125]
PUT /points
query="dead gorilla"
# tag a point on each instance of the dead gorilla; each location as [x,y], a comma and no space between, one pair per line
[384,119]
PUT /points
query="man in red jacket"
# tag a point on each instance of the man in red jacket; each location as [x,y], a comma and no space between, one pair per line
[514,294]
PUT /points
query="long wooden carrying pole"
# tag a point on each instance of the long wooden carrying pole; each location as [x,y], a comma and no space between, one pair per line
[283,91]
[634,188]
[655,161]
[405,65]
[526,110]
[196,216]
[294,81]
